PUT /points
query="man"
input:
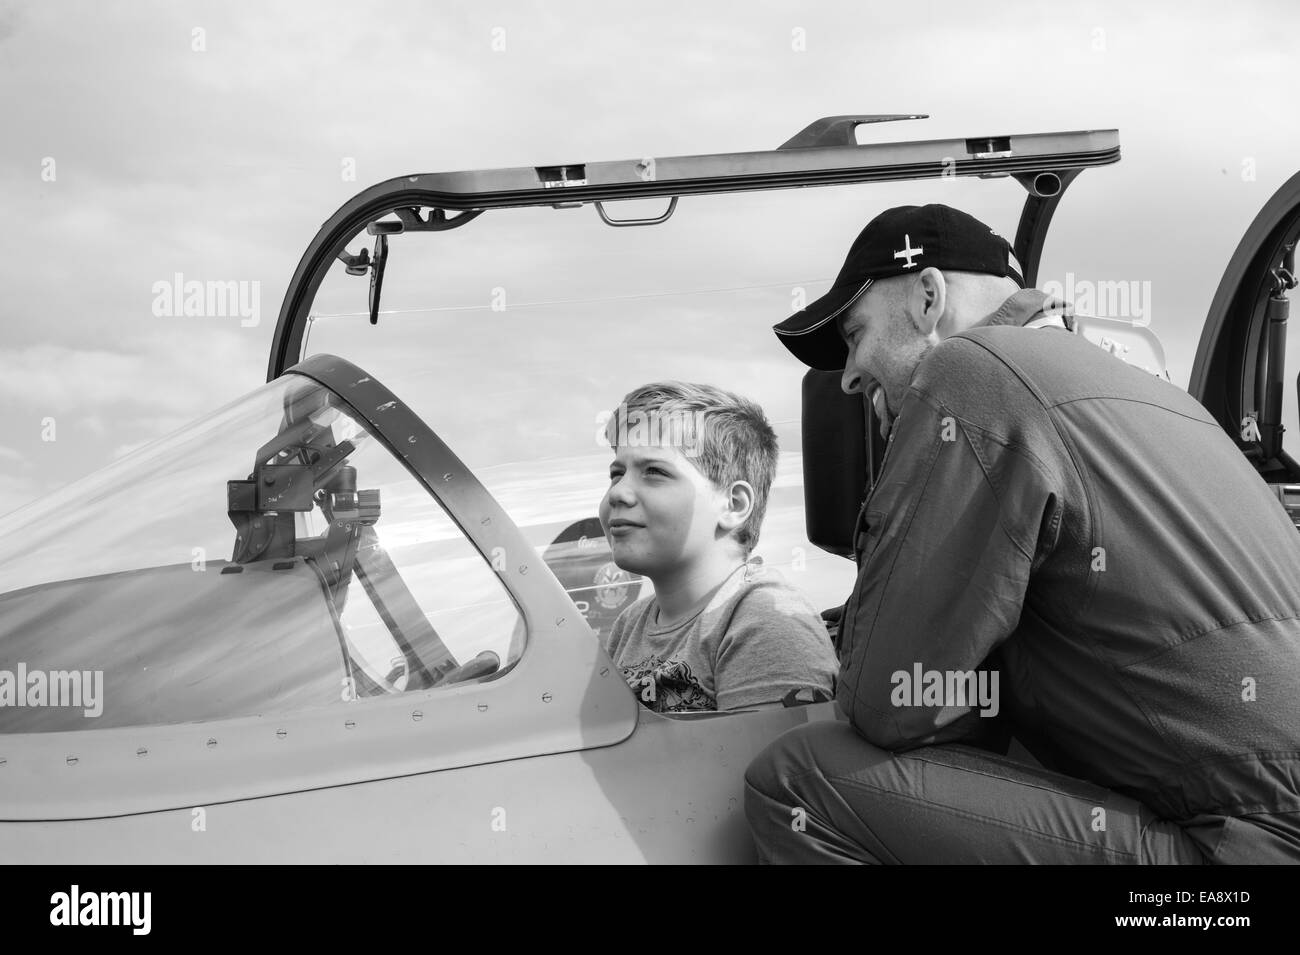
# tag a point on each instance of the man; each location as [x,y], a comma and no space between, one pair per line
[1055,538]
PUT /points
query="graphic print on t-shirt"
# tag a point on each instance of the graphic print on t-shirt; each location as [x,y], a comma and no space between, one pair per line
[667,686]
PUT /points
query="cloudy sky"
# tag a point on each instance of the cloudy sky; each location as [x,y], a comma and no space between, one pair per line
[142,140]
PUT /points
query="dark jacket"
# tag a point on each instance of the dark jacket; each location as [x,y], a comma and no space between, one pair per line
[1089,531]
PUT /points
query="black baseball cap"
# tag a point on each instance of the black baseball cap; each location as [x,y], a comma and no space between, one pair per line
[898,241]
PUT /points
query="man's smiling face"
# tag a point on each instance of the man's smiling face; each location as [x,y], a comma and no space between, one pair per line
[660,512]
[884,348]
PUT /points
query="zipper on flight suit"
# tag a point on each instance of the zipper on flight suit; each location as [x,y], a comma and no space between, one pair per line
[860,529]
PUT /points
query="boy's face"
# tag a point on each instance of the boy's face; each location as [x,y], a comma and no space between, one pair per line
[660,513]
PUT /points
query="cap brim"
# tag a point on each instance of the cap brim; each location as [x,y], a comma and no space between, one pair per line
[813,335]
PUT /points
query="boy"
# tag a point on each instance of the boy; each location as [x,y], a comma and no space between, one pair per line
[692,469]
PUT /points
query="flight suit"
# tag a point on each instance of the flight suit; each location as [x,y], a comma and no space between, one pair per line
[1083,538]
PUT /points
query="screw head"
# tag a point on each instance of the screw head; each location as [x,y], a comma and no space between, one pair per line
[281,734]
[482,707]
[417,715]
[142,751]
[72,761]
[211,742]
[546,697]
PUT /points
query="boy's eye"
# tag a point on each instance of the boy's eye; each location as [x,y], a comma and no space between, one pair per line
[655,470]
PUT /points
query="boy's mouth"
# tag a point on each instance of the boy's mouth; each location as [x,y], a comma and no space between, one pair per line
[622,526]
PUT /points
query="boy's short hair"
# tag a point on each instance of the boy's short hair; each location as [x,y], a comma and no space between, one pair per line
[727,437]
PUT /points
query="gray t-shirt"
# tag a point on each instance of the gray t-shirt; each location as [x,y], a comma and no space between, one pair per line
[752,640]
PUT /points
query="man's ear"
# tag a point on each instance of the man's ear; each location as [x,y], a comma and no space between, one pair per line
[928,300]
[739,504]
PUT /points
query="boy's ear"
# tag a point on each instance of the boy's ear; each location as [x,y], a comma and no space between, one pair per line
[739,505]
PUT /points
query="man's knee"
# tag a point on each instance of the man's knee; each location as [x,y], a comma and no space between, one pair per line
[801,769]
[792,804]
[771,804]
[792,755]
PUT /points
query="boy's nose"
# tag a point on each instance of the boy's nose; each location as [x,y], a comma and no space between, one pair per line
[621,493]
[851,380]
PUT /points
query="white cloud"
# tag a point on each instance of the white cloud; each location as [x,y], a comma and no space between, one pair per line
[229,160]
[16,492]
[122,450]
[13,456]
[169,373]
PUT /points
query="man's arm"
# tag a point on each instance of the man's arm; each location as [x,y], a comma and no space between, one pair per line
[955,527]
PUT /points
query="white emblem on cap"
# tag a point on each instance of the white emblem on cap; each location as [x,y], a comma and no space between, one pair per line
[906,252]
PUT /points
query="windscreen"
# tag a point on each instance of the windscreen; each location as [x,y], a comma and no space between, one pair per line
[273,556]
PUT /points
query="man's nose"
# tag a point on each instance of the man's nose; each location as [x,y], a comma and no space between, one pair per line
[851,380]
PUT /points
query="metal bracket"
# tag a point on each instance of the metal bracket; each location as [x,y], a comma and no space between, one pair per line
[1284,277]
[600,207]
[1046,185]
[409,220]
[356,264]
[1045,191]
[374,263]
[839,130]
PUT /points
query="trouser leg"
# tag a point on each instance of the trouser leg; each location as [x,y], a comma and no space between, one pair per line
[821,793]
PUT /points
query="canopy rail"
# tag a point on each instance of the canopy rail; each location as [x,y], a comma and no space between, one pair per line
[823,154]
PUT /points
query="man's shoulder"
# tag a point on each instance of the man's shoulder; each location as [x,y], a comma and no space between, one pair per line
[992,346]
[978,361]
[1039,364]
[1050,366]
